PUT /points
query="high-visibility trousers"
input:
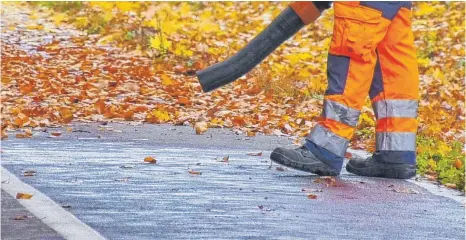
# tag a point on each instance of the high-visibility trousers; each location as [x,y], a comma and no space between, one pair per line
[371,53]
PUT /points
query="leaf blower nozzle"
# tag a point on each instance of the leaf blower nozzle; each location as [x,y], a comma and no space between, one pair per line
[287,24]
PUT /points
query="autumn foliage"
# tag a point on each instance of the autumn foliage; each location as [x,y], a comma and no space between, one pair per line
[135,61]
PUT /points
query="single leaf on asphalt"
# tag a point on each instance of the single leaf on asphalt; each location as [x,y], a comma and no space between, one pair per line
[194,172]
[150,159]
[23,196]
[21,217]
[280,169]
[251,133]
[255,154]
[225,159]
[29,173]
[56,134]
[312,196]
[311,190]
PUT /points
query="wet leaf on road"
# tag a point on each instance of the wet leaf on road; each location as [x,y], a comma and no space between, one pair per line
[23,196]
[327,180]
[402,190]
[21,217]
[125,179]
[55,134]
[312,196]
[312,190]
[150,159]
[29,173]
[194,172]
[450,185]
[255,154]
[225,159]
[280,169]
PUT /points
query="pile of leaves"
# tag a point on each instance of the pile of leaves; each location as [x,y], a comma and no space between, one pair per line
[135,61]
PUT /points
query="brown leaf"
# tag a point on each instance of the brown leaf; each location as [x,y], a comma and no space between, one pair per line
[55,134]
[450,185]
[280,169]
[225,159]
[251,133]
[255,154]
[150,159]
[194,172]
[23,196]
[29,173]
[312,196]
[21,217]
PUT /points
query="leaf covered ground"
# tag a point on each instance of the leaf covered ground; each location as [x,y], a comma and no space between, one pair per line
[135,61]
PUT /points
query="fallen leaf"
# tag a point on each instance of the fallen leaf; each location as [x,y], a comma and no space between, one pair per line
[29,173]
[255,154]
[404,190]
[150,160]
[23,196]
[311,190]
[123,179]
[194,172]
[251,133]
[458,164]
[450,185]
[280,169]
[200,127]
[348,155]
[55,134]
[225,159]
[21,217]
[312,196]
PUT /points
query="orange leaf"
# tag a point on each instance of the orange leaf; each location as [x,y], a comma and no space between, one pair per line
[150,160]
[194,172]
[56,134]
[100,106]
[348,155]
[450,185]
[23,135]
[23,196]
[255,154]
[312,196]
[458,164]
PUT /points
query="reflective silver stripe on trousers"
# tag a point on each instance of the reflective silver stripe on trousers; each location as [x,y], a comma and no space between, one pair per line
[340,113]
[396,141]
[395,108]
[328,140]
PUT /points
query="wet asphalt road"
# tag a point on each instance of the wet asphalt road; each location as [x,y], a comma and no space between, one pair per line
[101,176]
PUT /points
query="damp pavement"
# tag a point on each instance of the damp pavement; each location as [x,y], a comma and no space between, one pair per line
[97,173]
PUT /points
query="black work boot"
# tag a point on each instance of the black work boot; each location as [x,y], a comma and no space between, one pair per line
[302,159]
[370,167]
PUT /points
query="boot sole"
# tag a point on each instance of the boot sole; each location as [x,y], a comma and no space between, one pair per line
[319,168]
[397,172]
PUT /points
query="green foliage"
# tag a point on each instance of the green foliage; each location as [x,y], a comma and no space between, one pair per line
[444,161]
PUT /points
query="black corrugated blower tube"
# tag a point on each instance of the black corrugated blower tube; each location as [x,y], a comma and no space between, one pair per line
[287,24]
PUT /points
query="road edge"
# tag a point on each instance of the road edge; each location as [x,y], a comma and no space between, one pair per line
[48,211]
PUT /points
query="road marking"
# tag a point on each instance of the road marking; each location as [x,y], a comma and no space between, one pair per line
[50,213]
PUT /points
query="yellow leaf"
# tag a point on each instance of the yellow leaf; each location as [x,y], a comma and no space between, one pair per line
[59,18]
[23,196]
[166,80]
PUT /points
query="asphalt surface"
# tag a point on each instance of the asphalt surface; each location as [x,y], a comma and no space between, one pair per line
[99,175]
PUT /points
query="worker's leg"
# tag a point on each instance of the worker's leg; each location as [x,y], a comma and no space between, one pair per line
[394,94]
[351,61]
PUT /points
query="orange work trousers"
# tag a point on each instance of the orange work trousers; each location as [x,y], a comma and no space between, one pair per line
[371,53]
